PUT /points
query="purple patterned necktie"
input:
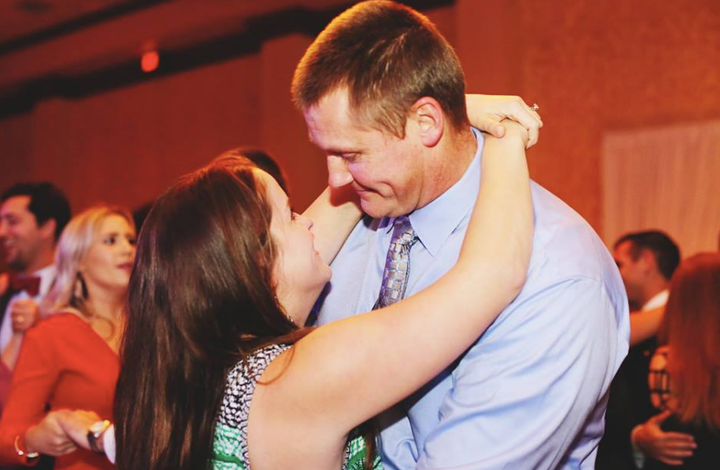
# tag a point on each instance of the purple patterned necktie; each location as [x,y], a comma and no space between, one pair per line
[397,264]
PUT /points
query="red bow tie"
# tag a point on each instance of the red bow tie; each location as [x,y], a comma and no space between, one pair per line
[29,284]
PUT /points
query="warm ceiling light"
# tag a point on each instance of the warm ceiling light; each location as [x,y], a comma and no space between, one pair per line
[149,61]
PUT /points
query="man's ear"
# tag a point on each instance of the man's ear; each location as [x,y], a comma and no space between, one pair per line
[47,229]
[429,119]
[649,263]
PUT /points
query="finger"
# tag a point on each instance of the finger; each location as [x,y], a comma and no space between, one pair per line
[670,461]
[679,445]
[676,453]
[533,136]
[522,113]
[22,303]
[679,437]
[659,418]
[67,450]
[533,112]
[492,126]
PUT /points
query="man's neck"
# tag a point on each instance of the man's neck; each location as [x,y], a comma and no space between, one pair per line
[45,259]
[452,157]
[654,289]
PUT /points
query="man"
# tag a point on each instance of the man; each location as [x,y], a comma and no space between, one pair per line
[647,261]
[32,216]
[382,93]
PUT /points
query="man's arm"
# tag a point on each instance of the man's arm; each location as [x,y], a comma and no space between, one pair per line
[524,394]
[645,325]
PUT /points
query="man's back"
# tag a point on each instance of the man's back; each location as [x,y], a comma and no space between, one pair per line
[531,393]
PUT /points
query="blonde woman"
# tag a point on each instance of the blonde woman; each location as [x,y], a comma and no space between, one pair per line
[69,360]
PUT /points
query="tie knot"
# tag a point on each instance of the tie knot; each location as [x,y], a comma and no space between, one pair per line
[403,232]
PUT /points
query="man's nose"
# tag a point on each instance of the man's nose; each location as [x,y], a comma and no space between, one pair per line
[338,174]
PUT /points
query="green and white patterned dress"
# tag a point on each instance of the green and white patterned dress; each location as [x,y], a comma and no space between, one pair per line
[230,451]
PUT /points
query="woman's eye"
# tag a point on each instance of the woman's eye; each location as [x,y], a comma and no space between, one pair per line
[132,241]
[109,241]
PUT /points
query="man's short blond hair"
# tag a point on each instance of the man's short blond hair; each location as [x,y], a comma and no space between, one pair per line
[387,56]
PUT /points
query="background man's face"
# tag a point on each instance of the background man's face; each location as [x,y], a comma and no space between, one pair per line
[631,270]
[386,172]
[19,232]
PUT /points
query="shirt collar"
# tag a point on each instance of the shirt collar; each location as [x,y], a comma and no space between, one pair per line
[436,221]
[47,276]
[658,300]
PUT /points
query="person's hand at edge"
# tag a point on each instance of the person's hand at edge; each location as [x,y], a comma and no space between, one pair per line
[667,447]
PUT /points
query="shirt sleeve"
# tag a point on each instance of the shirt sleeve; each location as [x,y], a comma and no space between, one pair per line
[534,387]
[33,380]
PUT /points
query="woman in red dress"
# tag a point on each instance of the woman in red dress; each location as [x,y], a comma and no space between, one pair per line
[69,360]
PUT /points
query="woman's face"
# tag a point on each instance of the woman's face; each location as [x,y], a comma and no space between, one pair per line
[107,264]
[300,273]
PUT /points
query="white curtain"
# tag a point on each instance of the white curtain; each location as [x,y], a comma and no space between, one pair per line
[665,178]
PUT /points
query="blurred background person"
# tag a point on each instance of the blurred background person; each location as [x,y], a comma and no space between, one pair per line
[684,377]
[32,216]
[647,261]
[69,360]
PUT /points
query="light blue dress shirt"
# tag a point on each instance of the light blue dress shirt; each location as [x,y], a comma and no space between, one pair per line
[531,392]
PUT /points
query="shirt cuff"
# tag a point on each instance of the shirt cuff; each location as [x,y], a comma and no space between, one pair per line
[638,455]
[109,443]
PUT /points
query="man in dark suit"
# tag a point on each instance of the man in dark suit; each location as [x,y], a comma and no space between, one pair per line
[32,216]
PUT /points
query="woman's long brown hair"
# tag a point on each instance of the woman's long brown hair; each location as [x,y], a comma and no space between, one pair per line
[691,327]
[201,298]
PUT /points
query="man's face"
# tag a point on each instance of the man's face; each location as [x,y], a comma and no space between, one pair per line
[385,171]
[631,270]
[21,237]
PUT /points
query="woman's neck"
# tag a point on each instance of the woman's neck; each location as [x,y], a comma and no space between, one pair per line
[107,305]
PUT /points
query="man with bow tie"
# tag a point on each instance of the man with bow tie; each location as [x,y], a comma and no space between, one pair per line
[32,216]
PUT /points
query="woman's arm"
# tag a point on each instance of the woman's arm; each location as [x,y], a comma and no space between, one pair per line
[24,414]
[346,372]
[334,214]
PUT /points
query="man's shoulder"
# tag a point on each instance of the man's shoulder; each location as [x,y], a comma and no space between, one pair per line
[565,245]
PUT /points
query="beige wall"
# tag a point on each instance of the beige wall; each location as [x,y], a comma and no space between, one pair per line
[591,66]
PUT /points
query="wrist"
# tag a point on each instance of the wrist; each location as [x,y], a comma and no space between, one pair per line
[634,438]
[500,145]
[28,455]
[95,436]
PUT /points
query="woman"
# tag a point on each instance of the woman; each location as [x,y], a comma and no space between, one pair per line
[223,277]
[684,375]
[69,360]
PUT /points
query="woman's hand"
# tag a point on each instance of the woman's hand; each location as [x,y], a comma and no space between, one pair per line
[76,425]
[513,132]
[486,112]
[48,437]
[667,447]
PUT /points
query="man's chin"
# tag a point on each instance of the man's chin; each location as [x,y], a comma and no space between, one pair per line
[378,211]
[15,263]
